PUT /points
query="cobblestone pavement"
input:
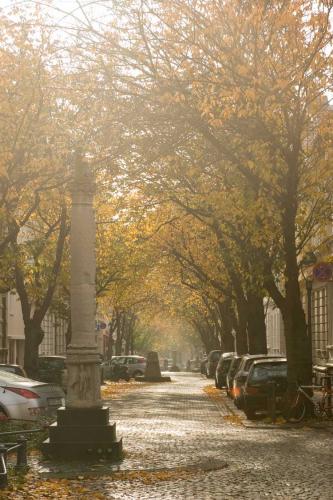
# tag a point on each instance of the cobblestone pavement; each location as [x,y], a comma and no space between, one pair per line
[176,425]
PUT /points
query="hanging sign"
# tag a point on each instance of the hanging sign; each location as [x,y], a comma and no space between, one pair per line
[322,271]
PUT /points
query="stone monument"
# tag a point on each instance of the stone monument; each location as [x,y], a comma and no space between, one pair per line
[82,426]
[153,371]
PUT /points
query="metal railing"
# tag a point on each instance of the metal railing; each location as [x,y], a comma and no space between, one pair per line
[19,447]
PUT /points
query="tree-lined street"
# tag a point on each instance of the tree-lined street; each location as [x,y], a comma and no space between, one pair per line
[166,183]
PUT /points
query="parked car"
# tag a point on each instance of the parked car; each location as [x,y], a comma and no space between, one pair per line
[256,389]
[193,365]
[136,365]
[165,364]
[234,365]
[114,371]
[26,399]
[241,376]
[53,369]
[222,369]
[17,369]
[212,360]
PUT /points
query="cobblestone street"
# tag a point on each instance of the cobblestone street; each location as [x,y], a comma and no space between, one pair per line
[177,427]
[180,443]
[174,425]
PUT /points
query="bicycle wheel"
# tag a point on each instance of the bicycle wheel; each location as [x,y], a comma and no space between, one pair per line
[296,412]
[319,410]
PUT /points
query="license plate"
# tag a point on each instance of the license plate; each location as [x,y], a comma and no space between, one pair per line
[55,401]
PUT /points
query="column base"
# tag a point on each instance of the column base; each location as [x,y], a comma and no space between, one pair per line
[83,433]
[143,378]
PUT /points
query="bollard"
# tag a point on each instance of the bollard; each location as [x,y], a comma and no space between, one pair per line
[21,458]
[3,467]
[271,400]
[329,396]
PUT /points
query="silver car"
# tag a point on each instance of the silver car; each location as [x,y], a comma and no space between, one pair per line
[136,365]
[25,399]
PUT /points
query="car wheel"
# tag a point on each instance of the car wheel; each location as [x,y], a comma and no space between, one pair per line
[217,384]
[138,373]
[296,413]
[250,414]
[3,415]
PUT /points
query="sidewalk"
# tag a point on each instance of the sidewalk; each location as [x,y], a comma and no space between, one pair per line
[179,445]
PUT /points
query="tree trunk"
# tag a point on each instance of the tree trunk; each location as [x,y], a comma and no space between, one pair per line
[118,344]
[119,335]
[68,332]
[256,324]
[226,317]
[241,331]
[128,343]
[298,343]
[33,337]
[109,352]
[208,340]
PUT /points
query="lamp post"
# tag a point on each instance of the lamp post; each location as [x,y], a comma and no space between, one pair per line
[83,426]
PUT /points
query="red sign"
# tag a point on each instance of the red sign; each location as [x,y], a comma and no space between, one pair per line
[322,271]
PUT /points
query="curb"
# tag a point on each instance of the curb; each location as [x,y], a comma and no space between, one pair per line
[253,425]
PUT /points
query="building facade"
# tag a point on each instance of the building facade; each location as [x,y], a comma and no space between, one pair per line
[55,332]
[275,330]
[321,319]
[12,332]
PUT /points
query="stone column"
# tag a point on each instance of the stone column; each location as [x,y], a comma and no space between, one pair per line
[83,363]
[83,428]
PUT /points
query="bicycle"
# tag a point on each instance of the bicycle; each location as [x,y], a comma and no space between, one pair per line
[303,404]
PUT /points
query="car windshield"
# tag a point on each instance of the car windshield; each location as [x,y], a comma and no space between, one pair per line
[10,369]
[234,366]
[118,361]
[248,363]
[226,365]
[262,373]
[12,377]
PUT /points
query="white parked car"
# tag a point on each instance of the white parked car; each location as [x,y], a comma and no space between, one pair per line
[136,365]
[26,399]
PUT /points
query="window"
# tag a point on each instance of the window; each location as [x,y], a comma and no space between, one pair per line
[118,360]
[51,363]
[54,341]
[60,326]
[3,326]
[215,355]
[262,373]
[319,324]
[226,365]
[47,345]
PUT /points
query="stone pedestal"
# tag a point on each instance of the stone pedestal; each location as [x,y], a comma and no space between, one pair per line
[153,371]
[83,433]
[83,427]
